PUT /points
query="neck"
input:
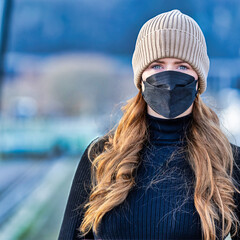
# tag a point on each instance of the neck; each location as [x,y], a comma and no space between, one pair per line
[165,131]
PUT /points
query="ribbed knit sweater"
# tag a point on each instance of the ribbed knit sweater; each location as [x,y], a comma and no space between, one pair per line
[161,204]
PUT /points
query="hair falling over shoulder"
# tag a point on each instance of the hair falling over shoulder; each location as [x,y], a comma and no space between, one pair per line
[209,154]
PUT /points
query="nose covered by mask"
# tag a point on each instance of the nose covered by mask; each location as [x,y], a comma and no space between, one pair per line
[170,93]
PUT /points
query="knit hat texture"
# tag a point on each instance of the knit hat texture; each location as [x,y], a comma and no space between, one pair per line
[171,34]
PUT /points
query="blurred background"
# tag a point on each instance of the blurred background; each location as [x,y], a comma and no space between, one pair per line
[65,72]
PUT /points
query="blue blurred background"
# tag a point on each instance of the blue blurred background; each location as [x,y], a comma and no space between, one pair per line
[65,72]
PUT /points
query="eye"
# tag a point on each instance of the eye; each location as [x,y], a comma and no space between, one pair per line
[183,67]
[156,66]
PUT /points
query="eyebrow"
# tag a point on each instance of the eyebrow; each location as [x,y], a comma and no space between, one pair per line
[176,62]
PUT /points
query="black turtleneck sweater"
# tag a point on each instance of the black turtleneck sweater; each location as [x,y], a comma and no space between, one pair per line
[161,205]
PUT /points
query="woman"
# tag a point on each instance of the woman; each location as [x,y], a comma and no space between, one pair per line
[166,171]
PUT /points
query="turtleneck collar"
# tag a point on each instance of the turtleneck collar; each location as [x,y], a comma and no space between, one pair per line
[164,131]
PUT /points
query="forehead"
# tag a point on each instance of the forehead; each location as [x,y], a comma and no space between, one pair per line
[169,60]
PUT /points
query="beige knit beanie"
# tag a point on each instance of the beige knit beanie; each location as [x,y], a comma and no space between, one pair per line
[171,34]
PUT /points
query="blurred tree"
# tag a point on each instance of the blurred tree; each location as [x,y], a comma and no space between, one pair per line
[5,12]
[70,85]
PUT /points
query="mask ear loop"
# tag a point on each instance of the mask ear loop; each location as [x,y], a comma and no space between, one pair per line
[198,92]
[140,85]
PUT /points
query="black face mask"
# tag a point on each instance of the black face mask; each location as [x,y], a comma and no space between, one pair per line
[170,93]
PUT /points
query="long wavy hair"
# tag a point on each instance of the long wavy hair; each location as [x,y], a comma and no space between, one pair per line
[209,153]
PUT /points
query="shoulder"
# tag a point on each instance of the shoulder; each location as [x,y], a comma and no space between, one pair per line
[236,165]
[95,147]
[236,153]
[83,170]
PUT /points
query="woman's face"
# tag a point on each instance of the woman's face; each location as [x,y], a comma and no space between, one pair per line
[166,64]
